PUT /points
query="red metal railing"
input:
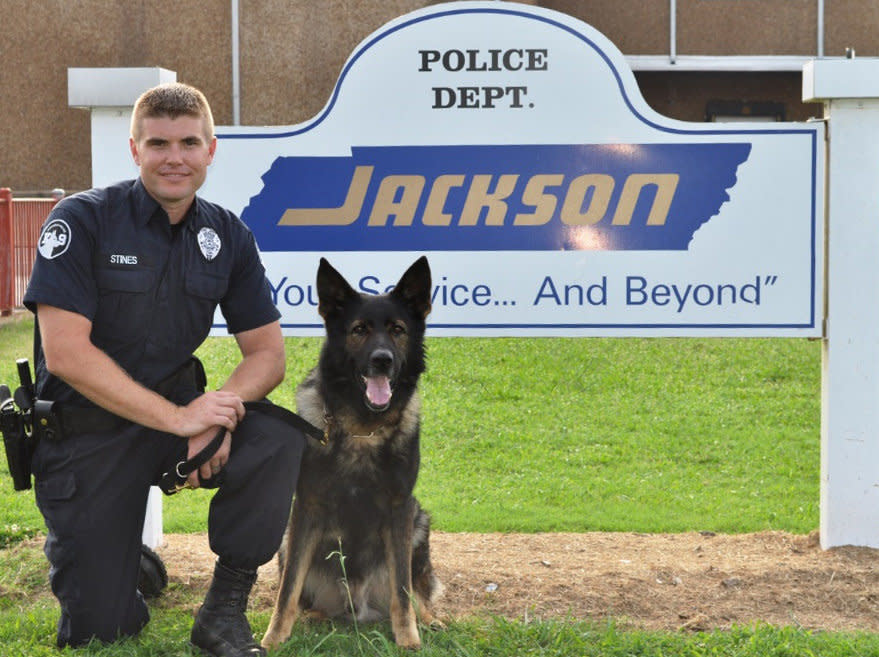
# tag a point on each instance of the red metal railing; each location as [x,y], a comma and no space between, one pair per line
[20,223]
[7,268]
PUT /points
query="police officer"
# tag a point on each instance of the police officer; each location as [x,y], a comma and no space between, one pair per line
[124,289]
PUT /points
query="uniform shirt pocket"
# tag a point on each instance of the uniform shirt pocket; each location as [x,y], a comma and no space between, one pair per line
[204,291]
[123,280]
[125,300]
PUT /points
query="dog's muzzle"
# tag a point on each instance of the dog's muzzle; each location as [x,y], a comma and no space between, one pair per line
[378,381]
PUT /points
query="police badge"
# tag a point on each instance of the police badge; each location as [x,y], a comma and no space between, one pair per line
[209,243]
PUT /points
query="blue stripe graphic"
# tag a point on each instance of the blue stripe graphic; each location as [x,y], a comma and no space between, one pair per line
[495,198]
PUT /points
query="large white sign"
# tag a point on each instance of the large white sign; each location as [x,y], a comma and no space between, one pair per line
[512,146]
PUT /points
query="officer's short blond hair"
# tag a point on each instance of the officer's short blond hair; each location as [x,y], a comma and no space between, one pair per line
[172,99]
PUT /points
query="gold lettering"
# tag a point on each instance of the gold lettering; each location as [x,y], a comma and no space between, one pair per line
[404,209]
[478,197]
[602,186]
[666,184]
[544,204]
[344,215]
[436,201]
[399,196]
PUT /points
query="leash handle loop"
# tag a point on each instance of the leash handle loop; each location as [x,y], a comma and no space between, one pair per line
[175,480]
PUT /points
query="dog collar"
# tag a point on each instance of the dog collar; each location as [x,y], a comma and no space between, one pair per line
[329,420]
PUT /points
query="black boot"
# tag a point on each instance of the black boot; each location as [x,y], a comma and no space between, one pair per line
[221,628]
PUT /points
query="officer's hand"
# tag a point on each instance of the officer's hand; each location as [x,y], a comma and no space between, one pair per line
[216,408]
[217,461]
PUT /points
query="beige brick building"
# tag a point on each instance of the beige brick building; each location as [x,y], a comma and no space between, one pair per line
[692,59]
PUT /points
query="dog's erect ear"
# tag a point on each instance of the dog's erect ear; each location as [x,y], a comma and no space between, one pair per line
[333,291]
[414,287]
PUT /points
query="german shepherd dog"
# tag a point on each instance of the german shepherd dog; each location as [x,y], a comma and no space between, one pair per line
[357,544]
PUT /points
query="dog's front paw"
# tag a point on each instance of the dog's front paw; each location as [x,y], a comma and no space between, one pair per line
[411,643]
[406,636]
[428,620]
[272,640]
[435,624]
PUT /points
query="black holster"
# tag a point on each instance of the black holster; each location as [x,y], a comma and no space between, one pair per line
[25,420]
[19,444]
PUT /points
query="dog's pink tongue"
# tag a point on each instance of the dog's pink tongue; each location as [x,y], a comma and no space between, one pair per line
[378,390]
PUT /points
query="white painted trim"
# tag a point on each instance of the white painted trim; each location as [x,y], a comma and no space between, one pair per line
[112,87]
[712,63]
[826,79]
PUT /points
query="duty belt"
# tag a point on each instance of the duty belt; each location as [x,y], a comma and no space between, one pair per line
[94,419]
[79,419]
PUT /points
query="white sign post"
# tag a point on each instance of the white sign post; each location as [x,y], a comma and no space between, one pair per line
[511,144]
[850,382]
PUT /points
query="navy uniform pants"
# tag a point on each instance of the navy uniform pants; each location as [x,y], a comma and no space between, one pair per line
[92,491]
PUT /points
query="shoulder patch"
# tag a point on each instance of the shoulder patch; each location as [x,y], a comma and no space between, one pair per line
[55,239]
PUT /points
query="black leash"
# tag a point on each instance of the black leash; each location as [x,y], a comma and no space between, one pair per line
[175,480]
[281,413]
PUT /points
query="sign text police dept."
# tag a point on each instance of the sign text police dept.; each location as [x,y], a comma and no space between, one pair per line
[511,145]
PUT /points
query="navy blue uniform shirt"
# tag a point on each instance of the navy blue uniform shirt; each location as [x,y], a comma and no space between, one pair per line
[150,289]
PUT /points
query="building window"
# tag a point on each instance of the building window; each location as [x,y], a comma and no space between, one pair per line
[721,111]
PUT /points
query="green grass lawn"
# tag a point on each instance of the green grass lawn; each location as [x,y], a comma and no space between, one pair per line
[652,435]
[612,434]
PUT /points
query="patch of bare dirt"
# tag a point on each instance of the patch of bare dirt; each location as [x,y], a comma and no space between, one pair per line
[679,581]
